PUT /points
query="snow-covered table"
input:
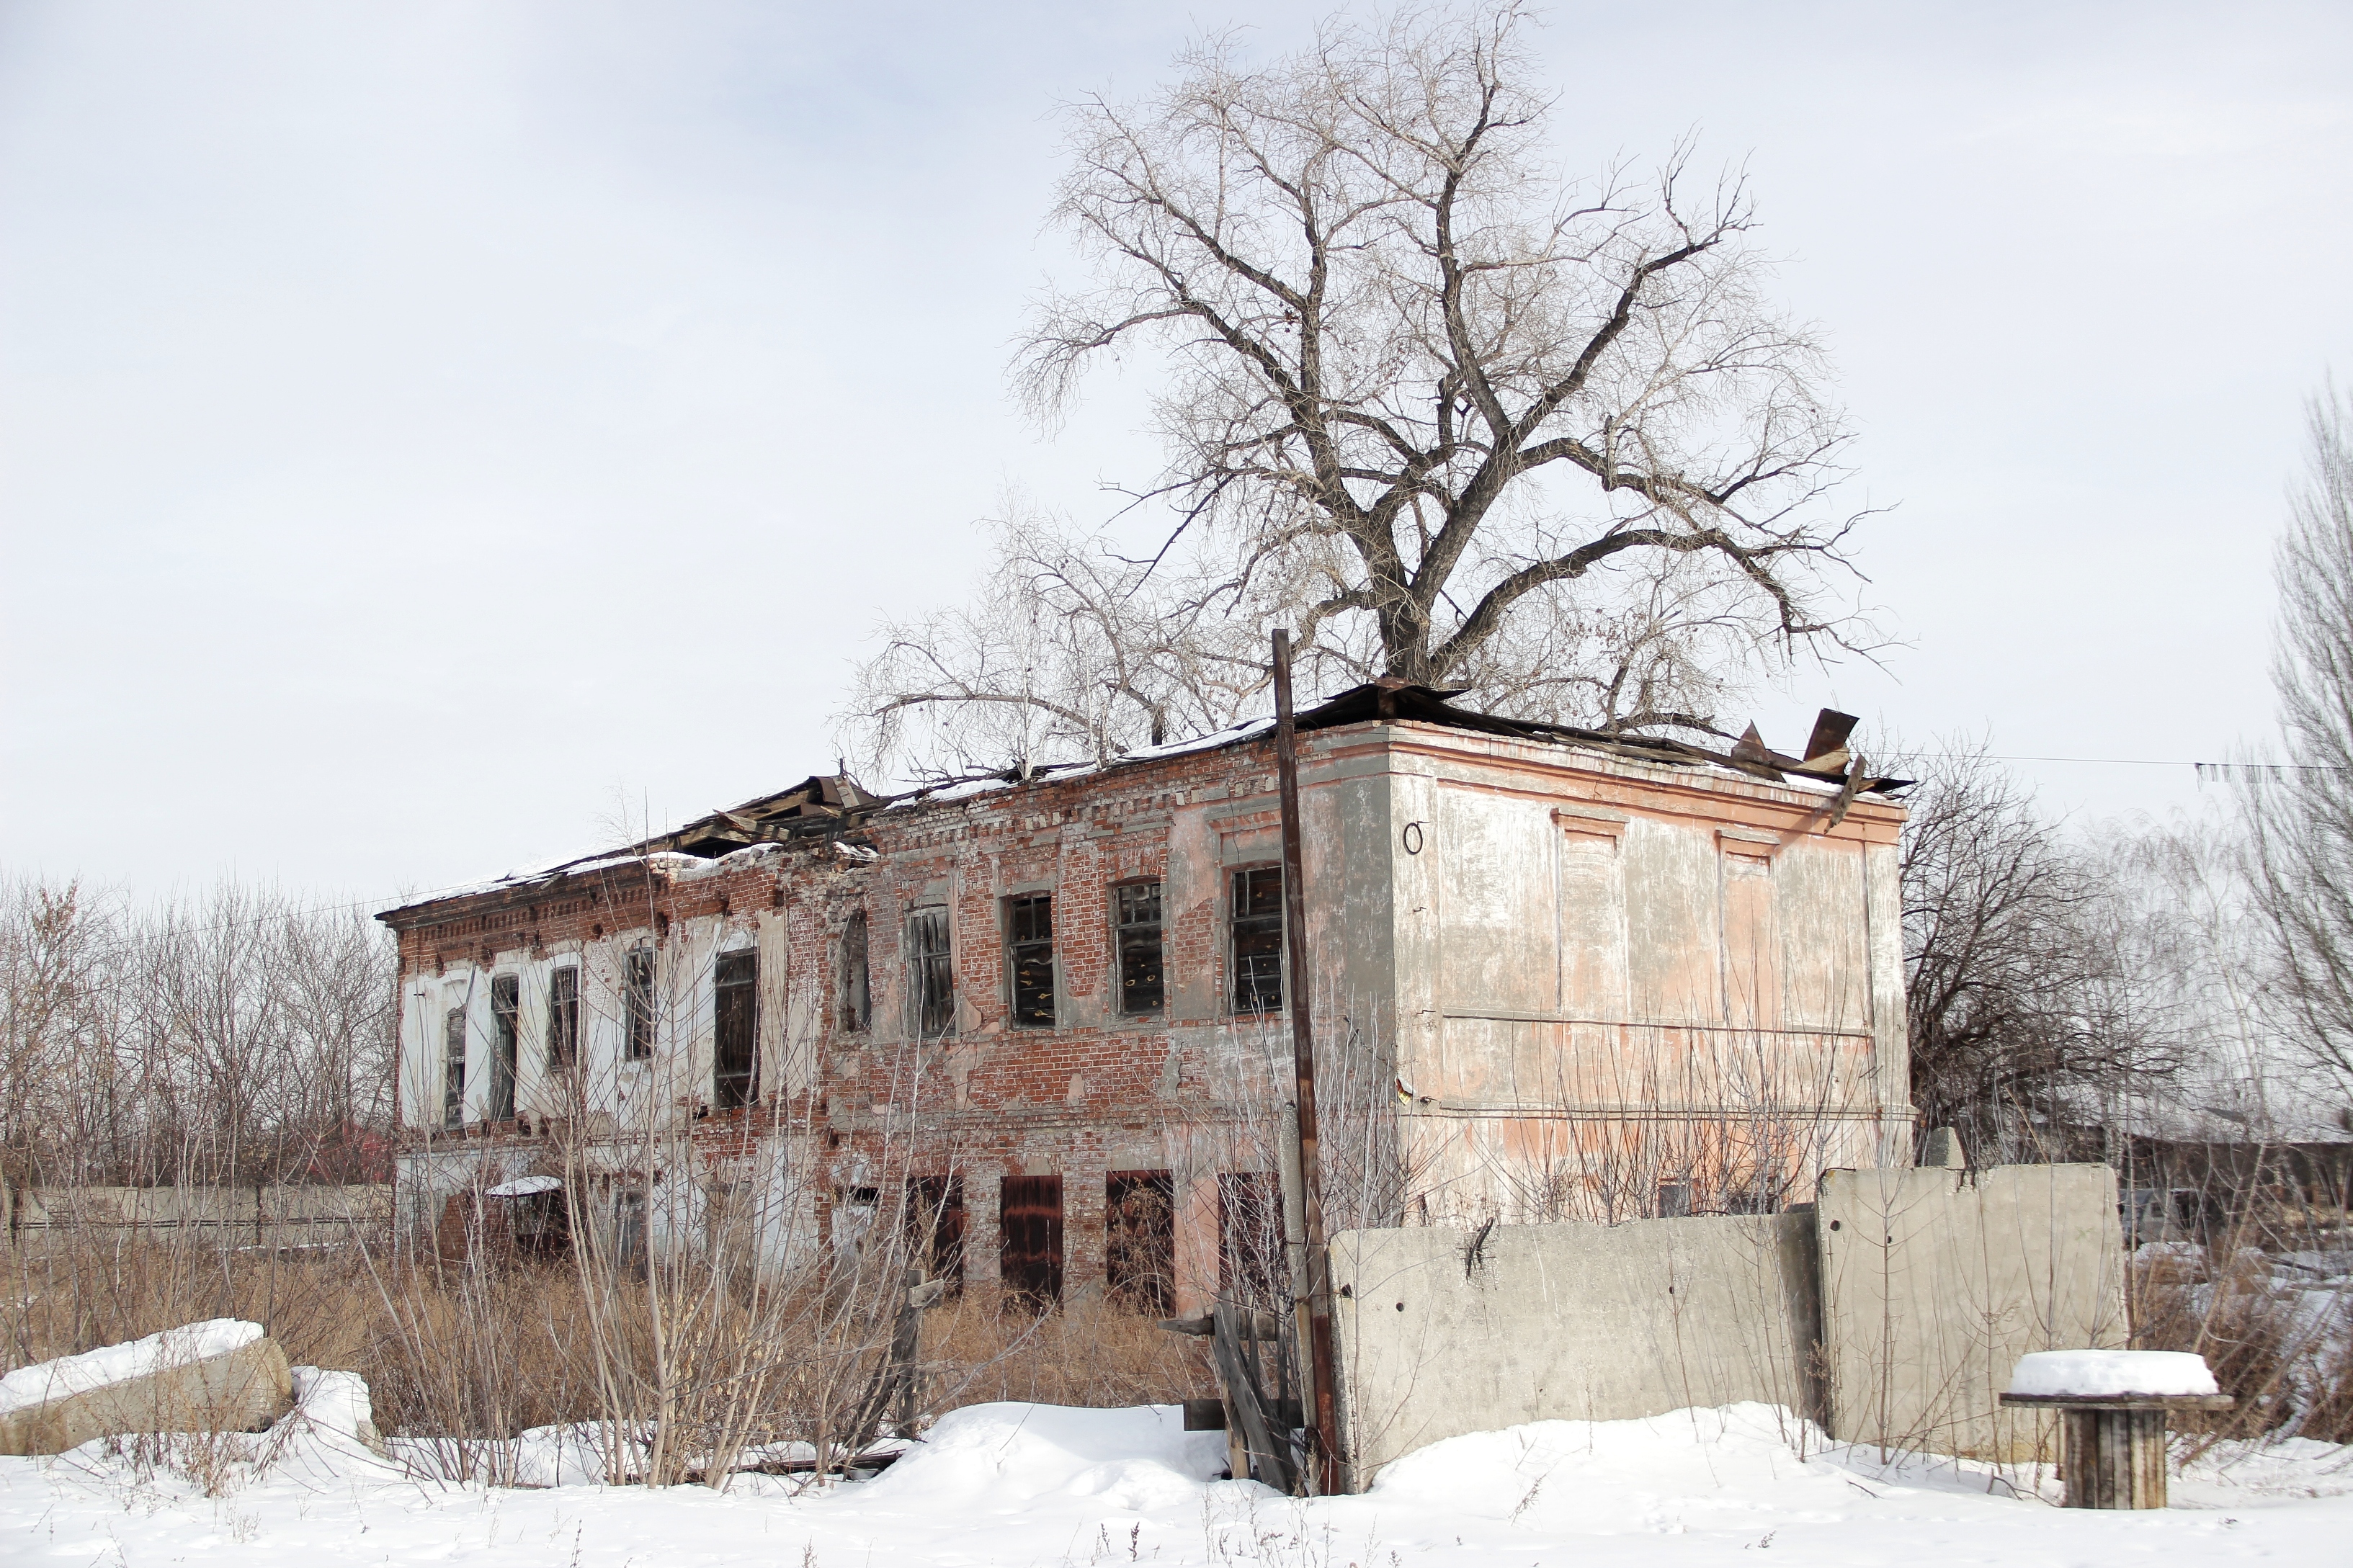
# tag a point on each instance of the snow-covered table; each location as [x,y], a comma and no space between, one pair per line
[2113,1404]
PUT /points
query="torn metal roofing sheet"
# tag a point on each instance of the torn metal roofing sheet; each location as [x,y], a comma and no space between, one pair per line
[828,806]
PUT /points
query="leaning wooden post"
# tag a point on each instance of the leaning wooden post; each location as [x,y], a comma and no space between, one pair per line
[1325,1416]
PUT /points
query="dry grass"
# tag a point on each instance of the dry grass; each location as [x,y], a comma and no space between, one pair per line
[2269,1344]
[1093,1351]
[470,1354]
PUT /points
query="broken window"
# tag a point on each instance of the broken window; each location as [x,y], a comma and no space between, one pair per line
[735,1067]
[1136,907]
[1257,919]
[453,1069]
[853,1220]
[857,1001]
[638,1001]
[1030,1232]
[563,1018]
[506,1006]
[1140,1240]
[1029,958]
[931,979]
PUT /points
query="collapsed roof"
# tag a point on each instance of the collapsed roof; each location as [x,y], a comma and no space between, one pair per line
[828,806]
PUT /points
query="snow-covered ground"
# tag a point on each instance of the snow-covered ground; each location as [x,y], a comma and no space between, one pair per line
[1039,1484]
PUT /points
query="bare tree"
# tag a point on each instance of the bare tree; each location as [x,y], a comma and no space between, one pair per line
[1069,652]
[2302,814]
[234,1039]
[2028,1017]
[1490,407]
[1455,419]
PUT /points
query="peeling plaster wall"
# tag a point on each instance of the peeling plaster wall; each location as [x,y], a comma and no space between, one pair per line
[1535,958]
[1612,988]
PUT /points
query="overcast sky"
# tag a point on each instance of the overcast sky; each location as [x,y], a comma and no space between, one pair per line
[426,427]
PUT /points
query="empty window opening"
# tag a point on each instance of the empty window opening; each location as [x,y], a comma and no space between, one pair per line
[735,1057]
[1135,909]
[931,978]
[1257,919]
[1030,1226]
[1140,1240]
[936,1228]
[1029,958]
[564,1017]
[638,1001]
[629,1230]
[540,1224]
[453,1069]
[1249,1239]
[505,1007]
[857,1000]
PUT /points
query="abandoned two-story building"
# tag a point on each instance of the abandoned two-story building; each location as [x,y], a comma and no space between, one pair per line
[1555,973]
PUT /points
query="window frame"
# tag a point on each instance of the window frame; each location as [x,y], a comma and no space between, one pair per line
[1022,951]
[1251,1000]
[638,1004]
[563,1018]
[854,975]
[931,972]
[506,1046]
[453,1068]
[741,959]
[1122,927]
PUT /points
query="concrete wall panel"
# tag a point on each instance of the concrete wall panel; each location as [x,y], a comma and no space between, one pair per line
[1594,1323]
[1935,1281]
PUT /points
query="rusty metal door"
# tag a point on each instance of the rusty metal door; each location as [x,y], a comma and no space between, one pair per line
[1031,1227]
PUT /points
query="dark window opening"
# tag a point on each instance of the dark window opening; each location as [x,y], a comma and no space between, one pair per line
[931,978]
[735,1057]
[505,1007]
[1249,1239]
[1675,1200]
[857,1000]
[1029,1228]
[1143,987]
[638,1001]
[1140,1240]
[453,1069]
[540,1224]
[1257,921]
[1029,955]
[564,1017]
[936,1228]
[629,1231]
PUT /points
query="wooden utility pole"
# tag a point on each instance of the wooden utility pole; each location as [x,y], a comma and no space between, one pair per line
[1324,1418]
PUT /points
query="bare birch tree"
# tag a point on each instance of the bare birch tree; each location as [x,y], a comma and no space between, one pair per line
[2302,814]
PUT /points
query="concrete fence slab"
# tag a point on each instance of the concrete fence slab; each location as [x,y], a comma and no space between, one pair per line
[1436,1338]
[1935,1281]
